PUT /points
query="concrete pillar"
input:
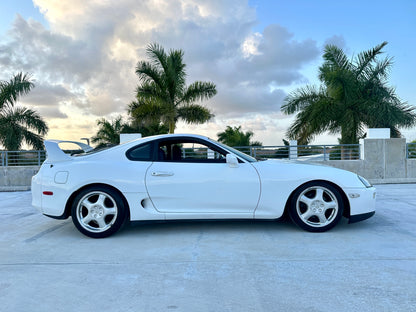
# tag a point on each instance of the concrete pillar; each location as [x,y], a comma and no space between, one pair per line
[125,137]
[395,158]
[384,158]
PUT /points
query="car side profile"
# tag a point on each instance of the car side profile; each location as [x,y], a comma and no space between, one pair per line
[178,176]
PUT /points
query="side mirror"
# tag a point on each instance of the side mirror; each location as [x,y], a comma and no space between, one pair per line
[231,160]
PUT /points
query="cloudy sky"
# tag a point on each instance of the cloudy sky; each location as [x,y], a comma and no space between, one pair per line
[82,54]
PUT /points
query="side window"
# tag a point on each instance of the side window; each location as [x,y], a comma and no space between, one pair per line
[188,151]
[197,152]
[140,153]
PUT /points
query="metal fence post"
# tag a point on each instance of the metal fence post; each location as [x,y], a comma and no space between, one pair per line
[293,149]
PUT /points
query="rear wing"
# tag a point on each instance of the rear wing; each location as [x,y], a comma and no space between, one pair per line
[55,154]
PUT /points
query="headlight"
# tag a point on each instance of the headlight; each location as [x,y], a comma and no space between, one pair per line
[364,181]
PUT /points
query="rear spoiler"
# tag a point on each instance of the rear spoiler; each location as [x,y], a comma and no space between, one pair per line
[56,154]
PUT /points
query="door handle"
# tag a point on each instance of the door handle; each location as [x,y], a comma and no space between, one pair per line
[162,174]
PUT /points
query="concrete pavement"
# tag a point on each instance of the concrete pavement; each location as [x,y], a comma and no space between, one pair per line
[47,265]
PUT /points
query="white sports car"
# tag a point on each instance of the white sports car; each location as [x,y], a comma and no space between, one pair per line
[176,177]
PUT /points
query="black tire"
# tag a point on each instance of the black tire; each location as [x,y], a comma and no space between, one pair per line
[98,211]
[316,206]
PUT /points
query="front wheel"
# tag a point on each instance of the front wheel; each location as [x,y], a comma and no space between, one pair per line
[98,212]
[316,206]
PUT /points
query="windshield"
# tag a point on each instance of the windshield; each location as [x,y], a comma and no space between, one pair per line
[236,152]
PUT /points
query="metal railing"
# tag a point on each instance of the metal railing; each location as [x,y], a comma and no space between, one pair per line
[22,158]
[305,152]
[411,150]
[300,152]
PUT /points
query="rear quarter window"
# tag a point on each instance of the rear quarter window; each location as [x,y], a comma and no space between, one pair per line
[140,153]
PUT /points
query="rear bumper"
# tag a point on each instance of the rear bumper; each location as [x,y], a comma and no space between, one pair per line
[36,189]
[53,203]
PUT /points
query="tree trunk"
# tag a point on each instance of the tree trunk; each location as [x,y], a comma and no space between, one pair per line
[172,127]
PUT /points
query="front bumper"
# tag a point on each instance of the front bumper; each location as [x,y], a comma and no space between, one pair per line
[362,203]
[361,217]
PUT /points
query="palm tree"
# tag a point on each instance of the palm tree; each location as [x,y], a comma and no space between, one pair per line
[162,89]
[234,136]
[19,124]
[108,132]
[354,94]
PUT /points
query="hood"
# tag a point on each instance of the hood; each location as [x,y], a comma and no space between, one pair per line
[303,171]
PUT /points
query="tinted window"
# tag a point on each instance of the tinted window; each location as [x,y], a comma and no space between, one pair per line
[141,152]
[187,150]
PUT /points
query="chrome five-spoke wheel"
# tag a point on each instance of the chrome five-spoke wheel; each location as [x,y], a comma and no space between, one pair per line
[98,212]
[316,206]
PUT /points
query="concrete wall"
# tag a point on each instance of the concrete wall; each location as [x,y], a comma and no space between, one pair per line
[382,161]
[17,178]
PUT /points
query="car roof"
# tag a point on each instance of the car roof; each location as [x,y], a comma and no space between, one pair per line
[168,136]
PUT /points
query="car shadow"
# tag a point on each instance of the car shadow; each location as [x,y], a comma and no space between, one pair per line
[196,226]
[283,225]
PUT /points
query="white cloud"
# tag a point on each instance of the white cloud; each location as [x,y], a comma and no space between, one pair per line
[250,45]
[84,62]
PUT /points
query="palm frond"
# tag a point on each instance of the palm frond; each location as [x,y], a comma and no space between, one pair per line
[379,72]
[28,118]
[194,114]
[146,110]
[367,57]
[151,92]
[21,125]
[175,74]
[336,58]
[198,91]
[10,91]
[109,131]
[301,98]
[149,74]
[32,139]
[157,55]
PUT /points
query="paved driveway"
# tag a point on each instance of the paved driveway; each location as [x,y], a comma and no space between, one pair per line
[47,265]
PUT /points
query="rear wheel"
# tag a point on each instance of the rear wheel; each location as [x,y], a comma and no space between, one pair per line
[98,212]
[316,207]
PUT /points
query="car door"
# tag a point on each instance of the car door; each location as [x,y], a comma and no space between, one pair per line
[191,176]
